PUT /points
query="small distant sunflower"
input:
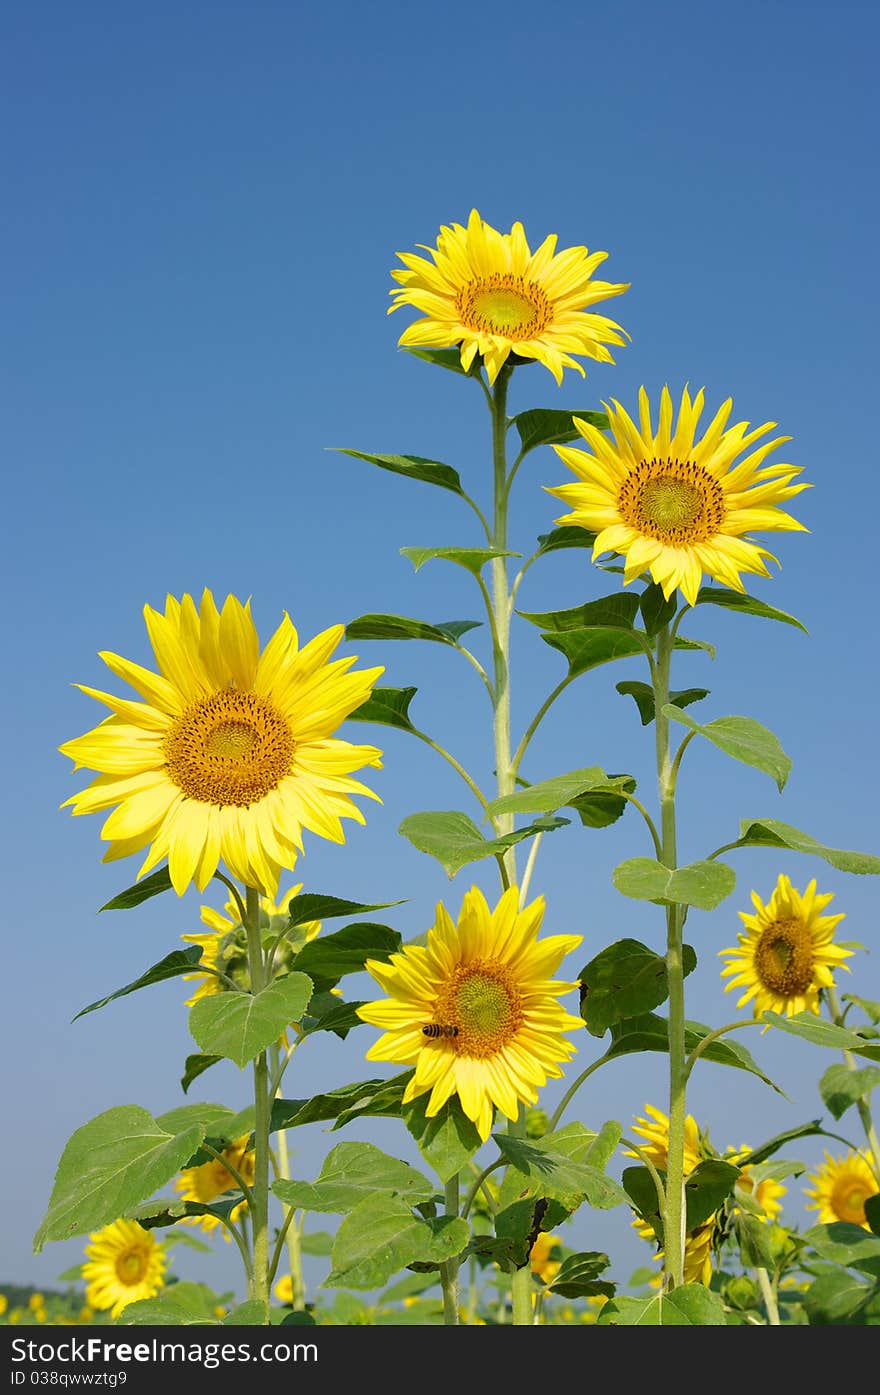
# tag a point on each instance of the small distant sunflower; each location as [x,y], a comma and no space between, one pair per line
[224,946]
[284,1289]
[842,1186]
[475,1009]
[211,1180]
[541,1259]
[489,293]
[788,952]
[231,755]
[125,1264]
[673,505]
[766,1193]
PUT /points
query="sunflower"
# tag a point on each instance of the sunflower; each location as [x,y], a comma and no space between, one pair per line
[284,1290]
[125,1264]
[541,1260]
[224,947]
[843,1185]
[475,1009]
[787,954]
[231,754]
[489,293]
[673,505]
[211,1180]
[766,1193]
[699,1242]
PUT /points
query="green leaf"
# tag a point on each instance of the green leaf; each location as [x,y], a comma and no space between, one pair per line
[643,696]
[624,980]
[109,1165]
[381,1236]
[756,1251]
[774,834]
[844,1243]
[809,1027]
[578,1276]
[387,1102]
[604,1145]
[565,536]
[351,1172]
[742,738]
[194,1066]
[710,1183]
[241,1025]
[403,627]
[141,891]
[183,1304]
[548,426]
[601,807]
[164,1211]
[549,795]
[347,950]
[834,1297]
[473,559]
[412,467]
[289,1114]
[327,1013]
[552,1173]
[869,1007]
[701,884]
[733,600]
[779,1140]
[642,1192]
[656,610]
[180,961]
[692,1305]
[312,905]
[449,359]
[588,649]
[252,1313]
[388,707]
[215,1117]
[841,1087]
[454,839]
[617,611]
[447,1140]
[648,1032]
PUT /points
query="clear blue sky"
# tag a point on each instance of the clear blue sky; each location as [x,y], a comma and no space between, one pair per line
[202,203]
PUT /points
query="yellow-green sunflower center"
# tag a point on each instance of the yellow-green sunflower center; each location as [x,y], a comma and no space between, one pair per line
[848,1197]
[131,1266]
[482,1001]
[504,304]
[229,748]
[675,501]
[784,958]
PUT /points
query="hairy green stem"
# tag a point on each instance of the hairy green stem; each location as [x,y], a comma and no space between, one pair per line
[674,1214]
[521,1279]
[768,1293]
[449,1269]
[862,1105]
[262,1113]
[291,1229]
[500,611]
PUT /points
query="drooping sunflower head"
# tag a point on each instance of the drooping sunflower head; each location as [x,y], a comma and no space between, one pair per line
[231,754]
[541,1257]
[765,1191]
[787,954]
[211,1180]
[489,293]
[125,1263]
[475,1009]
[224,946]
[841,1187]
[675,504]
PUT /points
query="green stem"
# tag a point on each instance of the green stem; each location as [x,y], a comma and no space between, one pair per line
[232,1170]
[500,612]
[538,719]
[449,1269]
[291,1230]
[262,1113]
[768,1294]
[456,765]
[674,1214]
[862,1104]
[713,1036]
[521,1279]
[572,1091]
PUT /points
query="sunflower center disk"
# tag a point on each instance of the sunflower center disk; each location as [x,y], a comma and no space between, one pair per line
[784,959]
[131,1266]
[229,748]
[484,1004]
[504,304]
[848,1201]
[674,501]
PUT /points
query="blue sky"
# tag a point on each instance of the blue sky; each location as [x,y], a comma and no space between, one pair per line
[203,205]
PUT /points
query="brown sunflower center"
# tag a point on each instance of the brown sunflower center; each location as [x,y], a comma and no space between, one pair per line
[848,1197]
[504,304]
[229,748]
[484,1004]
[131,1266]
[784,958]
[675,501]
